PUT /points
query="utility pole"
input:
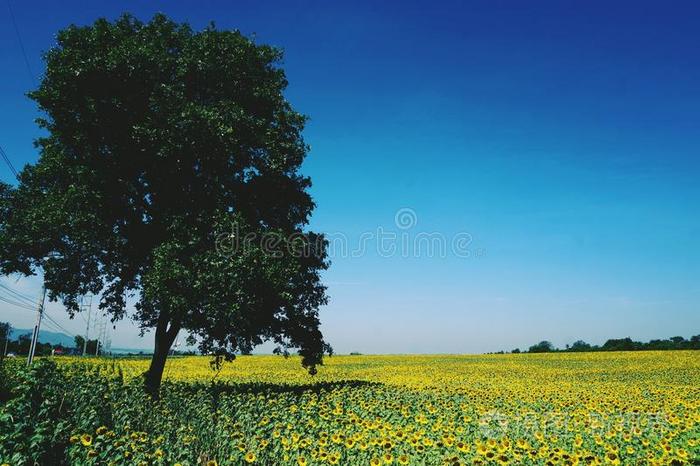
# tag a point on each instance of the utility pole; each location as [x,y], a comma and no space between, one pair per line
[101,329]
[7,339]
[107,347]
[87,329]
[37,326]
[97,339]
[105,342]
[176,345]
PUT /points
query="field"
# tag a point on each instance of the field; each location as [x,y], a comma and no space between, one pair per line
[580,408]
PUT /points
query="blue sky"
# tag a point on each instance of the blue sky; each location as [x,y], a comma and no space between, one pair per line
[563,137]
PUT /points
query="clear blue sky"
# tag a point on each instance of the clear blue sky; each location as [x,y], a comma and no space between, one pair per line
[564,137]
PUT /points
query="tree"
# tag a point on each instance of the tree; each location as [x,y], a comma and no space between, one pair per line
[5,333]
[621,344]
[90,348]
[5,330]
[677,341]
[580,345]
[24,343]
[5,201]
[170,173]
[541,347]
[5,198]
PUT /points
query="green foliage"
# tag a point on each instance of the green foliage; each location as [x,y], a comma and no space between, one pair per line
[623,344]
[5,200]
[33,423]
[541,347]
[43,405]
[91,347]
[21,345]
[161,140]
[428,410]
[5,330]
[580,345]
[673,343]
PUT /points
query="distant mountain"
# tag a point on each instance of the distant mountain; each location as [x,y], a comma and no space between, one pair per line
[55,338]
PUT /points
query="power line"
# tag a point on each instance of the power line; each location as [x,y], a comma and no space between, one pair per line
[37,326]
[51,326]
[86,302]
[21,44]
[50,319]
[15,303]
[29,306]
[16,298]
[31,75]
[17,294]
[7,161]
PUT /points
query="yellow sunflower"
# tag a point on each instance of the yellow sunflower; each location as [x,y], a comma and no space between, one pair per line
[86,440]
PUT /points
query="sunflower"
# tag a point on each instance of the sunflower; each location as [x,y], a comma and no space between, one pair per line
[86,440]
[301,461]
[250,457]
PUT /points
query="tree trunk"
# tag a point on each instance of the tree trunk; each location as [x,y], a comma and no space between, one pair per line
[164,340]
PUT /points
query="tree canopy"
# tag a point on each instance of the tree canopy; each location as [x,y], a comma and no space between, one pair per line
[541,347]
[621,344]
[160,142]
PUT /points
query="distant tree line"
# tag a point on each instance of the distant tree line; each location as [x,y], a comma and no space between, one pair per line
[617,344]
[20,345]
[80,342]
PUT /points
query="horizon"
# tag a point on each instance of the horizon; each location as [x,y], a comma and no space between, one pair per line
[118,351]
[547,155]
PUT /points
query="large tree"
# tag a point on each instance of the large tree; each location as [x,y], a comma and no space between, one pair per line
[170,173]
[5,333]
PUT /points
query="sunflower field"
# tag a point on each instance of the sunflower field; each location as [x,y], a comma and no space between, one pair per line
[613,408]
